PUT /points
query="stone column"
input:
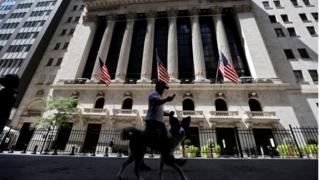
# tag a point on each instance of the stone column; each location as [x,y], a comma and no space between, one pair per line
[78,50]
[125,51]
[147,58]
[104,48]
[258,58]
[197,49]
[221,36]
[173,47]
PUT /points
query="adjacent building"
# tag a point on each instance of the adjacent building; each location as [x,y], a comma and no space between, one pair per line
[26,27]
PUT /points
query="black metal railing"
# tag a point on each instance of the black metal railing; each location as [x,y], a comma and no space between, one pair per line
[206,143]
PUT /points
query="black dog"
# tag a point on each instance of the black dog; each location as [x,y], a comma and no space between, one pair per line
[138,142]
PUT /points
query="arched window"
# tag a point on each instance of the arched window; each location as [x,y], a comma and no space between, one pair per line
[127,103]
[221,105]
[254,105]
[99,103]
[188,105]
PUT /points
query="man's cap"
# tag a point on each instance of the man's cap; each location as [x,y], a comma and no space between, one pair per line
[162,85]
[10,81]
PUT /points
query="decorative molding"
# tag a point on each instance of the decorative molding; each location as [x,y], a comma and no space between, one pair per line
[253,95]
[220,95]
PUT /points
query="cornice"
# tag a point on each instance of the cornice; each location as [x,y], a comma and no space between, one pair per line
[175,87]
[105,5]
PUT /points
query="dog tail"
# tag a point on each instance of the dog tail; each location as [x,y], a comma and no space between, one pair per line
[130,133]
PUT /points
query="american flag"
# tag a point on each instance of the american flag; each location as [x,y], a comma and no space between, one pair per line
[227,69]
[163,74]
[104,73]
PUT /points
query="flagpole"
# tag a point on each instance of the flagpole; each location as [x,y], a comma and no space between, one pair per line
[217,71]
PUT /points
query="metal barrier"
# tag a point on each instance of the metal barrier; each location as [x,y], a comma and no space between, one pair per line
[206,143]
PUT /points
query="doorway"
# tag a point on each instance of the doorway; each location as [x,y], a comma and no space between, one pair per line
[25,136]
[63,136]
[91,139]
[227,141]
[262,138]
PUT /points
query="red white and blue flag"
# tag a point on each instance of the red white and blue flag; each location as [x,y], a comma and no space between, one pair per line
[163,74]
[104,73]
[227,70]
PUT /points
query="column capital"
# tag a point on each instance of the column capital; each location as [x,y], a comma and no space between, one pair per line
[111,17]
[194,11]
[130,16]
[172,13]
[151,14]
[216,10]
[90,18]
[242,8]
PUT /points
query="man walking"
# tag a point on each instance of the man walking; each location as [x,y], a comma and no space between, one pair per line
[155,127]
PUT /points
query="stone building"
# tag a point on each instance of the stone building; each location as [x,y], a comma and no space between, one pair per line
[271,44]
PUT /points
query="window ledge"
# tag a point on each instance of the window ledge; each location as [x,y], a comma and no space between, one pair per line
[280,7]
[303,82]
[297,6]
[297,36]
[310,5]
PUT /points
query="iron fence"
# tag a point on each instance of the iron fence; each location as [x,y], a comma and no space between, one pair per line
[199,142]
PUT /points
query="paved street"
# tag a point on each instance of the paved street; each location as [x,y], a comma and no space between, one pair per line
[27,167]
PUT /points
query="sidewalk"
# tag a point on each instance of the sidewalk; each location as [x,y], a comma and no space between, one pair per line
[27,167]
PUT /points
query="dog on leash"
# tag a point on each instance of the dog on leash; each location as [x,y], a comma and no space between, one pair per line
[138,143]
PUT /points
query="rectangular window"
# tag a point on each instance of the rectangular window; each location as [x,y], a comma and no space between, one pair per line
[306,2]
[289,54]
[294,3]
[273,19]
[49,63]
[58,62]
[69,19]
[303,53]
[57,46]
[63,32]
[285,18]
[81,7]
[77,19]
[279,32]
[266,4]
[65,46]
[315,16]
[314,75]
[298,75]
[71,31]
[312,31]
[292,32]
[277,4]
[75,8]
[304,17]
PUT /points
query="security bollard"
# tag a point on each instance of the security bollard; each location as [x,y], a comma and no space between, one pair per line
[55,151]
[106,154]
[35,150]
[12,149]
[24,149]
[72,151]
[93,153]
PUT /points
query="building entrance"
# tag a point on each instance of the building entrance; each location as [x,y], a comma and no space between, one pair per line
[263,139]
[91,139]
[25,136]
[227,140]
[63,136]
